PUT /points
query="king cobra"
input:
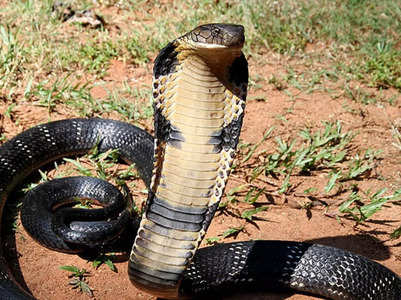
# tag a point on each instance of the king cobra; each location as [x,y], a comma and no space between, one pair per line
[199,90]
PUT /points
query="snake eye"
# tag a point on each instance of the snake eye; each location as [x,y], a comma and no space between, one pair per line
[215,32]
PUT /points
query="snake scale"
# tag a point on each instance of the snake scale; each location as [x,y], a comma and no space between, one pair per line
[199,90]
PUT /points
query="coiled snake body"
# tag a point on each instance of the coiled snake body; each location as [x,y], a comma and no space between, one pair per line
[199,90]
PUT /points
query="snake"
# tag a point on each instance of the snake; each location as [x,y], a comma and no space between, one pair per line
[199,93]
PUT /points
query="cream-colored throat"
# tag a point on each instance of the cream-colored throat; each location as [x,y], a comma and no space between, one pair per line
[198,97]
[196,114]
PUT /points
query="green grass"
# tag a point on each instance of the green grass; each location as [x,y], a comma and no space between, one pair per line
[327,153]
[322,149]
[364,36]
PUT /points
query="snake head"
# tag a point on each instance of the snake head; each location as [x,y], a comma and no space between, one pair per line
[216,36]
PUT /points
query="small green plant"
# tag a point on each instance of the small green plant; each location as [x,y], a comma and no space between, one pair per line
[43,178]
[9,111]
[230,232]
[78,165]
[334,177]
[78,279]
[253,194]
[359,210]
[358,94]
[104,259]
[358,166]
[361,164]
[231,194]
[250,213]
[384,67]
[277,83]
[396,233]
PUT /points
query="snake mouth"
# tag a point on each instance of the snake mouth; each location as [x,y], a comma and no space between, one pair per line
[216,36]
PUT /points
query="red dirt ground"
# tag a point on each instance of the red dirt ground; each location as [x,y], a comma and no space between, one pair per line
[284,220]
